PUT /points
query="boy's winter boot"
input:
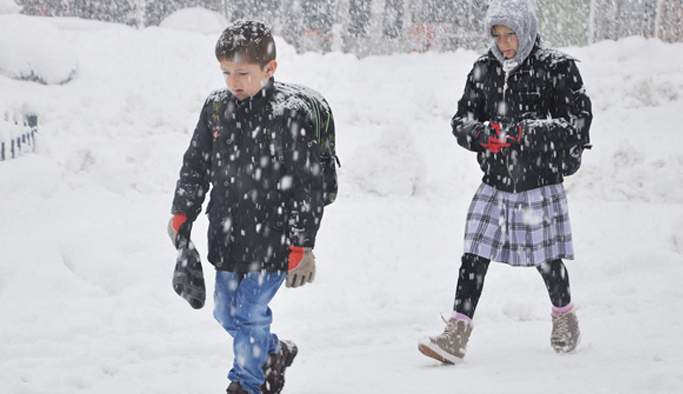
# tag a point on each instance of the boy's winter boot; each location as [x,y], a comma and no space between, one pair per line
[275,366]
[450,346]
[566,335]
[236,388]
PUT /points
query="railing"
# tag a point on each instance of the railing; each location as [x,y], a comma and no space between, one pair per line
[17,136]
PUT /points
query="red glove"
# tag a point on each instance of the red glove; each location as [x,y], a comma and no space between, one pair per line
[517,138]
[495,145]
[296,254]
[178,221]
[301,266]
[174,225]
[496,126]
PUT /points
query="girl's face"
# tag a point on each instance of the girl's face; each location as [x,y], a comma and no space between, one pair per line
[506,40]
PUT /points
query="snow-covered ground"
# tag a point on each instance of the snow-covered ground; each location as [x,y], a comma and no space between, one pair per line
[86,303]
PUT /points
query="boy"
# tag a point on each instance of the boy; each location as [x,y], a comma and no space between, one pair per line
[266,201]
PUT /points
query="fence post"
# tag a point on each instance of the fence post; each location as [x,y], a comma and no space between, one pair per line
[18,137]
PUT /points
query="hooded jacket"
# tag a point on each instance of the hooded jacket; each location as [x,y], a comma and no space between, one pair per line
[262,202]
[539,89]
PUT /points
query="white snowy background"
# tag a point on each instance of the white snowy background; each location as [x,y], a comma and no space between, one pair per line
[86,303]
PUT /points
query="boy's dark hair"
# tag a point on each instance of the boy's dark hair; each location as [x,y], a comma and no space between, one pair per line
[248,42]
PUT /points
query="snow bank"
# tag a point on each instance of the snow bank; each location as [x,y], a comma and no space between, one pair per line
[196,19]
[85,263]
[636,89]
[9,7]
[33,49]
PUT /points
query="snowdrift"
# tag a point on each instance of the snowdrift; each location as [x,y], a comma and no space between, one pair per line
[33,49]
[196,19]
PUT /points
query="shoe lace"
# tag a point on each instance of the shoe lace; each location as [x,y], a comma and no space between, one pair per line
[451,325]
[444,319]
[560,327]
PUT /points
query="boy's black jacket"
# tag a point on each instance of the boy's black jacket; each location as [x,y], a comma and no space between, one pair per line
[259,205]
[545,94]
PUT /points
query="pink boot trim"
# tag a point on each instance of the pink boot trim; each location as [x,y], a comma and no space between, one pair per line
[563,309]
[460,316]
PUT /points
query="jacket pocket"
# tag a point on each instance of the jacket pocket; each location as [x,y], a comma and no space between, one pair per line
[530,105]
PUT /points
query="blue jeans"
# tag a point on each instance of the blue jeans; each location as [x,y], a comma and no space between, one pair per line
[242,309]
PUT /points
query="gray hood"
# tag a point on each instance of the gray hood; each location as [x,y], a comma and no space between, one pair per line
[519,15]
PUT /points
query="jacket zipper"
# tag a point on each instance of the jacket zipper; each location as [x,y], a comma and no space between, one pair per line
[507,167]
[505,88]
[507,155]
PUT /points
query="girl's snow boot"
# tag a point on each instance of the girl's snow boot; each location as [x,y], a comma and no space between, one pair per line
[565,336]
[450,346]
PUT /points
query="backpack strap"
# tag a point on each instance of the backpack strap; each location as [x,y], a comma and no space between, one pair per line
[317,114]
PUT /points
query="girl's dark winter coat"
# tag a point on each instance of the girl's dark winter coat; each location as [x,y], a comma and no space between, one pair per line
[545,95]
[259,205]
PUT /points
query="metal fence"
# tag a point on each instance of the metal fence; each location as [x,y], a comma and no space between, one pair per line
[17,135]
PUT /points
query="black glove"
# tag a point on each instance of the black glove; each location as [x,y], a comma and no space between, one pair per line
[481,134]
[509,133]
[530,135]
[188,277]
[515,135]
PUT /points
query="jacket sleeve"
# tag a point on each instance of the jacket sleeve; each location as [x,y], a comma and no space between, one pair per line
[571,113]
[193,185]
[303,179]
[470,115]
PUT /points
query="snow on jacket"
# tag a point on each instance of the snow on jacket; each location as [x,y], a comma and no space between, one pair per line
[259,205]
[545,95]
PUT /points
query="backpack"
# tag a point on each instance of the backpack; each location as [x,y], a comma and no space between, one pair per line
[324,130]
[321,117]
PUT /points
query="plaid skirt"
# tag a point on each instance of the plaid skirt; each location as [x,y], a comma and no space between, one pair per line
[520,229]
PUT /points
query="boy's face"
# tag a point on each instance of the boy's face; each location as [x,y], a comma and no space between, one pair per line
[506,39]
[246,79]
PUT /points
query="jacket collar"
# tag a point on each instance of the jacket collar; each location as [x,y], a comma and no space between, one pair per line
[251,105]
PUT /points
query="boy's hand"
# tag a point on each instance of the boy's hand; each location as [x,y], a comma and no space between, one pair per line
[301,266]
[178,224]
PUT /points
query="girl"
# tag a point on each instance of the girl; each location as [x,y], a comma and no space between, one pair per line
[523,108]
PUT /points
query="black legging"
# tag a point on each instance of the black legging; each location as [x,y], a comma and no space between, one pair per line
[471,283]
